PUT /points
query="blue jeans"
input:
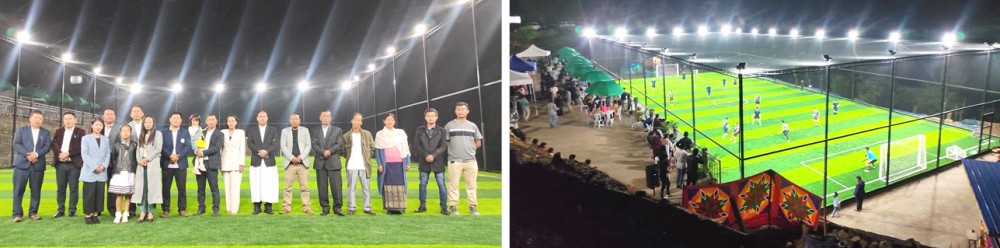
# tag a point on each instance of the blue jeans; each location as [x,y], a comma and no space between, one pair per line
[552,120]
[680,177]
[442,189]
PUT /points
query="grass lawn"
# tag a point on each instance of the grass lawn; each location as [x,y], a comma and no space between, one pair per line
[804,166]
[429,229]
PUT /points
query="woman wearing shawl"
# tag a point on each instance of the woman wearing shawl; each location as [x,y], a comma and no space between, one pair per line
[392,152]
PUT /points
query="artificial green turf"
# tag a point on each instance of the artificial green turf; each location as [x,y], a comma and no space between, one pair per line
[292,230]
[804,166]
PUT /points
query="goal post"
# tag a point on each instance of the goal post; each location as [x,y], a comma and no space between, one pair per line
[668,70]
[909,156]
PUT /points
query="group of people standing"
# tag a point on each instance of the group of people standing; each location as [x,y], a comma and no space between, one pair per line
[138,163]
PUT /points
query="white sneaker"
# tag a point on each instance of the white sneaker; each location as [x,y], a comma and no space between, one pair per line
[118,217]
[125,217]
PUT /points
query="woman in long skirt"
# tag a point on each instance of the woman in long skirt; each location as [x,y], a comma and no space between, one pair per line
[392,153]
[123,181]
[233,158]
[95,150]
[148,180]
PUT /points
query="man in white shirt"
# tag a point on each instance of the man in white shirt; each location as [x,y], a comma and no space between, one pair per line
[212,155]
[263,143]
[68,160]
[31,143]
[358,152]
[136,123]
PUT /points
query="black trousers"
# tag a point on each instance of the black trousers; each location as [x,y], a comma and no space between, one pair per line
[93,196]
[330,180]
[67,175]
[22,178]
[861,199]
[112,197]
[212,178]
[169,176]
[664,180]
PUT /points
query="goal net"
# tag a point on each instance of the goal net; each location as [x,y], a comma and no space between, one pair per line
[909,156]
[668,70]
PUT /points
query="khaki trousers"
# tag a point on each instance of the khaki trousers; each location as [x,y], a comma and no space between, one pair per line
[296,172]
[468,170]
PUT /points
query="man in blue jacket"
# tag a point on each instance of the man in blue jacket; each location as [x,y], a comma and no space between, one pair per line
[31,144]
[176,148]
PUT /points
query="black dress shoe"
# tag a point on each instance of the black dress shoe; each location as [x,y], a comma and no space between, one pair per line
[215,213]
[324,213]
[445,212]
[369,212]
[338,212]
[256,208]
[421,210]
[96,220]
[87,219]
[57,215]
[267,208]
[199,212]
[72,214]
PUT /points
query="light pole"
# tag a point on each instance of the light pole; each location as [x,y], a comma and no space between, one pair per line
[479,89]
[422,29]
[395,101]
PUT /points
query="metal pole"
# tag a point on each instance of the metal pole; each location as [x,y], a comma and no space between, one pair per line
[693,116]
[62,95]
[892,106]
[17,87]
[989,64]
[374,104]
[944,92]
[663,77]
[740,87]
[427,88]
[826,144]
[395,101]
[479,88]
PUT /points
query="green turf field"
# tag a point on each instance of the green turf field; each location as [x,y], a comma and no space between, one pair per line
[804,166]
[429,229]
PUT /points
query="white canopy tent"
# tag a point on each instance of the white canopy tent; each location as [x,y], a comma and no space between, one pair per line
[523,78]
[533,52]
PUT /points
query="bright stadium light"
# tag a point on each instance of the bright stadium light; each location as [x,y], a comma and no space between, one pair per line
[793,32]
[895,36]
[177,87]
[261,86]
[371,66]
[703,30]
[97,70]
[650,32]
[820,34]
[391,50]
[621,32]
[119,80]
[589,32]
[852,35]
[23,37]
[420,29]
[949,38]
[738,31]
[67,57]
[678,31]
[726,28]
[219,86]
[303,85]
[357,78]
[136,88]
[346,85]
[754,31]
[772,31]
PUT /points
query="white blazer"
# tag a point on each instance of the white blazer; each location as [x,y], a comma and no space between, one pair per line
[234,153]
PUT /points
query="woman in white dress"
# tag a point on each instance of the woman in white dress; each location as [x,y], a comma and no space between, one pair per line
[233,159]
[148,175]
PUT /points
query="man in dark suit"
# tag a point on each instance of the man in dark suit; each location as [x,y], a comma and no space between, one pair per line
[176,146]
[213,163]
[31,143]
[859,193]
[429,150]
[327,146]
[263,143]
[68,161]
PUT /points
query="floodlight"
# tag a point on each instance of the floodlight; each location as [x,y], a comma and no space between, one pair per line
[420,29]
[754,31]
[589,32]
[136,88]
[895,36]
[793,32]
[177,87]
[23,37]
[621,32]
[219,87]
[650,32]
[702,30]
[726,28]
[303,85]
[119,80]
[678,31]
[67,56]
[772,31]
[949,38]
[345,85]
[738,30]
[853,34]
[391,50]
[820,34]
[371,66]
[97,70]
[261,86]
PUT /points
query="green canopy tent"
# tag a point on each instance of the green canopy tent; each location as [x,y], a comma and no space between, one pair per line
[67,100]
[597,76]
[567,52]
[82,103]
[578,59]
[579,71]
[5,85]
[33,93]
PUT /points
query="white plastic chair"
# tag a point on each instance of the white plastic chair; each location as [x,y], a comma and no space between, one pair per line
[597,120]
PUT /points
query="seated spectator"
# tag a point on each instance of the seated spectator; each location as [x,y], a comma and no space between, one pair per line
[572,157]
[589,165]
[542,147]
[551,151]
[517,133]
[534,142]
[557,159]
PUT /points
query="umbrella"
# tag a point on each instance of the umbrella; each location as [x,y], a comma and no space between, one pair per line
[605,88]
[567,52]
[33,93]
[66,99]
[83,103]
[580,71]
[578,59]
[5,85]
[597,76]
